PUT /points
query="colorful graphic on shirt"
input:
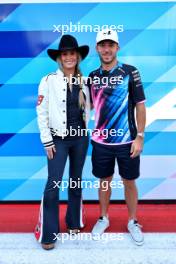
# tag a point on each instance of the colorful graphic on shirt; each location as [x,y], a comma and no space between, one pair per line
[114,103]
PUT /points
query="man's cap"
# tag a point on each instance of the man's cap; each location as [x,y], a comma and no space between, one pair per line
[107,34]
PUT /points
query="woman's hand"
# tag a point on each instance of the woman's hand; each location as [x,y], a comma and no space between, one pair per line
[50,152]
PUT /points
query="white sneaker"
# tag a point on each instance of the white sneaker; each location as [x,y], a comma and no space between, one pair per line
[101,225]
[135,231]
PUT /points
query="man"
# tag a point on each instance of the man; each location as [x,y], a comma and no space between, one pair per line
[114,102]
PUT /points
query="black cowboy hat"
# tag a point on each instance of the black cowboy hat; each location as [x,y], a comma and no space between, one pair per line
[68,42]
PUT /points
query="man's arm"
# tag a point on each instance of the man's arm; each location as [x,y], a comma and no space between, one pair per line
[140,117]
[137,145]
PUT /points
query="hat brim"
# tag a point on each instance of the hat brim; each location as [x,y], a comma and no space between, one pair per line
[108,40]
[82,50]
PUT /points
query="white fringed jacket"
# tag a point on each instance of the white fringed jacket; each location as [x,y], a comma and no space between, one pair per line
[52,106]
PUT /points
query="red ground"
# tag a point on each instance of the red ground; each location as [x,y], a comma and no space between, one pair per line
[153,217]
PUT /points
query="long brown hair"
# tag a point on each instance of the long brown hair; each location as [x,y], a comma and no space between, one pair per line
[78,74]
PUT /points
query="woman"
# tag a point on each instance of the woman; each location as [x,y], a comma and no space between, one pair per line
[62,106]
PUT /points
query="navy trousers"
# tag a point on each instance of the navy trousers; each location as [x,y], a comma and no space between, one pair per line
[76,150]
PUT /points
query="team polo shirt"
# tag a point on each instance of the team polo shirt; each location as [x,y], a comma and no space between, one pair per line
[114,95]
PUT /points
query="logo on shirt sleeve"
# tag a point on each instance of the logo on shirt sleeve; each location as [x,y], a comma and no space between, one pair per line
[40,99]
[137,78]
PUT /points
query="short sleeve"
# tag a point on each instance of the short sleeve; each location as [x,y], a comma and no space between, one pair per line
[137,90]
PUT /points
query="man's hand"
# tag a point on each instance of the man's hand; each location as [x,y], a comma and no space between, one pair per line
[136,147]
[50,152]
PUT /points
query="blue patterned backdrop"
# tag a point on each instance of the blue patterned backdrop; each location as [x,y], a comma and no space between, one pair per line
[147,41]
